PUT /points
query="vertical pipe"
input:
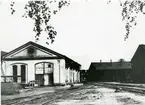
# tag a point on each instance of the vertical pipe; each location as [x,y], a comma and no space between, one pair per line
[27,73]
[59,70]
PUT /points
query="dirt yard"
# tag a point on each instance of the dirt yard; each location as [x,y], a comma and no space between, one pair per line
[94,95]
[90,94]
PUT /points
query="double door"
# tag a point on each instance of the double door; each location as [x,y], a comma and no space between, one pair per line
[44,79]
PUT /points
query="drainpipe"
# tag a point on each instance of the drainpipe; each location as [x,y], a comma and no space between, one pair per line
[59,70]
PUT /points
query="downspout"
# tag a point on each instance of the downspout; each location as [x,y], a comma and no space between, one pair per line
[59,70]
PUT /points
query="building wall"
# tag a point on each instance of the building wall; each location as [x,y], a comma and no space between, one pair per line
[119,75]
[92,74]
[59,69]
[72,76]
[60,73]
[138,66]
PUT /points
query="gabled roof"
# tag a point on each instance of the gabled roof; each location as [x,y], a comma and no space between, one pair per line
[3,53]
[142,45]
[44,48]
[111,65]
[140,48]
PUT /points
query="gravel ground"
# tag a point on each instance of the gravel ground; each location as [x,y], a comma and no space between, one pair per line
[95,95]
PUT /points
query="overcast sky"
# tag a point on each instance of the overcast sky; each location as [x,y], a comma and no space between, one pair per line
[88,30]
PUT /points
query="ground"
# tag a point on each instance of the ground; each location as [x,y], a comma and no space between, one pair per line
[89,94]
[96,95]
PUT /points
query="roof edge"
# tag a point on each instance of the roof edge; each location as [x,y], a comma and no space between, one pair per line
[43,47]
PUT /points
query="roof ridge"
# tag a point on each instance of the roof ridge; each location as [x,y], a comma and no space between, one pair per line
[141,44]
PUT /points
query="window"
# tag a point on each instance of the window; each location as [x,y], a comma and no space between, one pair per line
[39,68]
[19,72]
[48,68]
[44,68]
[31,52]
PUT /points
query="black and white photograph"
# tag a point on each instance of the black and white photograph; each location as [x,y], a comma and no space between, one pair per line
[72,52]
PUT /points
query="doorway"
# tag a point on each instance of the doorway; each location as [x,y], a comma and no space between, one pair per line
[50,79]
[44,73]
[14,73]
[40,79]
[23,73]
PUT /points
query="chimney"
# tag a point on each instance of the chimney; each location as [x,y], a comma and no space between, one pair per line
[110,60]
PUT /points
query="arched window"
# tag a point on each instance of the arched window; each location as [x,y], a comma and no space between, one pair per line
[43,68]
[39,68]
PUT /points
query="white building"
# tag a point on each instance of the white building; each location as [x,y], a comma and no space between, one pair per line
[32,61]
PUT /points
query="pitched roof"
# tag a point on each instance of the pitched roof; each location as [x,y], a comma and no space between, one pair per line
[143,45]
[111,65]
[44,48]
[140,48]
[3,53]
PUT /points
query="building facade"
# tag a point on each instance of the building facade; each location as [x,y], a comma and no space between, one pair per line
[109,71]
[33,62]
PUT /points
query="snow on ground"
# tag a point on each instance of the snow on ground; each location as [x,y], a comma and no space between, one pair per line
[101,96]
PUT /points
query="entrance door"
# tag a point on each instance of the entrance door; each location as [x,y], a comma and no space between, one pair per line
[40,79]
[14,73]
[23,73]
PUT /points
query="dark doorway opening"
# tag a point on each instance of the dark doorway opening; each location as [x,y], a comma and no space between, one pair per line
[23,73]
[14,73]
[50,79]
[40,79]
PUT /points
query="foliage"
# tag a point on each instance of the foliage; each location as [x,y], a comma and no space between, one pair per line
[130,11]
[40,12]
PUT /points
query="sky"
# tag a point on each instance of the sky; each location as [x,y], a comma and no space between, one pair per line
[88,30]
